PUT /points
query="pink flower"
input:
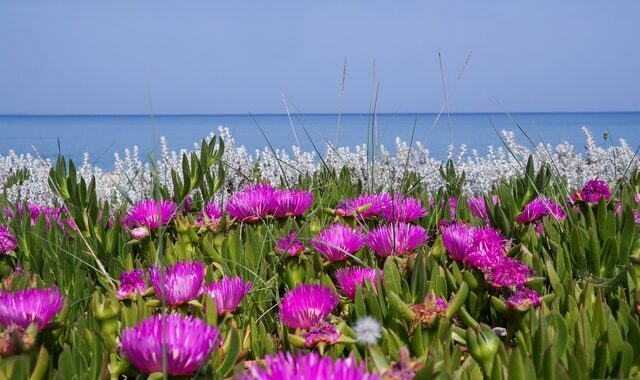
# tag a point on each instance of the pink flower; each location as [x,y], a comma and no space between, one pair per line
[228,293]
[187,341]
[131,282]
[180,282]
[351,277]
[507,273]
[457,239]
[8,242]
[211,212]
[337,242]
[24,307]
[398,239]
[307,305]
[151,213]
[593,191]
[253,203]
[286,366]
[365,206]
[290,245]
[523,299]
[479,208]
[487,248]
[538,209]
[323,332]
[404,210]
[291,202]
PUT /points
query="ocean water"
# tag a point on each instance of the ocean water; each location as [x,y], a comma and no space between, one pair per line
[102,135]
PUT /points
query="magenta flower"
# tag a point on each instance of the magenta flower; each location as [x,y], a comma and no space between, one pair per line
[251,204]
[211,212]
[487,248]
[131,282]
[351,277]
[8,242]
[539,208]
[507,273]
[404,210]
[453,205]
[593,191]
[398,239]
[323,332]
[139,233]
[365,206]
[51,214]
[291,202]
[180,282]
[337,242]
[479,208]
[285,366]
[457,239]
[188,341]
[523,299]
[151,213]
[432,309]
[27,306]
[228,293]
[307,305]
[290,245]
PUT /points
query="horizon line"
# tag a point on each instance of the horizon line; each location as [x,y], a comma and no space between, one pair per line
[298,113]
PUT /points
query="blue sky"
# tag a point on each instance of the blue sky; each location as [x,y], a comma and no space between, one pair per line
[137,57]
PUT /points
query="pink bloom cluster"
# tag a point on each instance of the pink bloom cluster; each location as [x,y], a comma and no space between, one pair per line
[306,308]
[256,202]
[398,208]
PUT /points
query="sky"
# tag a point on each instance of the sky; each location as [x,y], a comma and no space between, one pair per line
[204,57]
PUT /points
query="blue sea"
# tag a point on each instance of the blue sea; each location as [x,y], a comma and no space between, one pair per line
[102,135]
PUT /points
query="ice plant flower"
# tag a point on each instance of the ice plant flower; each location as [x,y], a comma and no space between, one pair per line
[27,306]
[508,273]
[457,239]
[131,282]
[178,283]
[211,212]
[368,331]
[228,293]
[539,208]
[397,239]
[291,202]
[323,332]
[308,366]
[139,233]
[593,191]
[290,245]
[151,213]
[51,214]
[487,248]
[432,309]
[188,341]
[404,210]
[307,305]
[337,242]
[351,277]
[8,242]
[453,205]
[364,206]
[523,299]
[253,203]
[478,206]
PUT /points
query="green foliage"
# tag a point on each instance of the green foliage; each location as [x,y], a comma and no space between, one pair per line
[586,268]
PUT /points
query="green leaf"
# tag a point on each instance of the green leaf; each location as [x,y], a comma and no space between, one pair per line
[231,348]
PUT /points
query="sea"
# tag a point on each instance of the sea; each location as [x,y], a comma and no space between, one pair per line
[104,135]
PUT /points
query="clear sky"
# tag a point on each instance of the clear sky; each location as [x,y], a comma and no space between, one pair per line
[136,57]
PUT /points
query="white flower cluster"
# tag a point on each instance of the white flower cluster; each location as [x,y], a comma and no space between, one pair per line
[131,177]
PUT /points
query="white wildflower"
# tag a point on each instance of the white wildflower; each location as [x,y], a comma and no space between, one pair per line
[367,331]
